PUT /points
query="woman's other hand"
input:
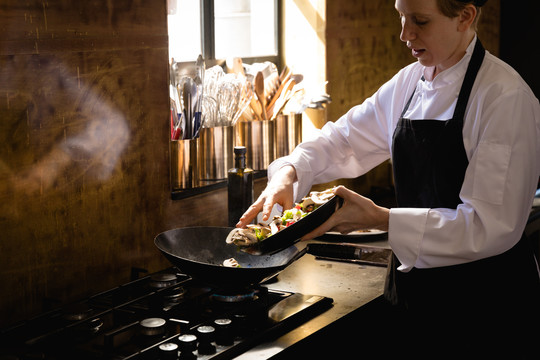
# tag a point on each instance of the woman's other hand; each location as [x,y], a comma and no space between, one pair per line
[356,213]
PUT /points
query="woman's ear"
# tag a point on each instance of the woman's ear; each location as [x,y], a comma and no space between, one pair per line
[467,17]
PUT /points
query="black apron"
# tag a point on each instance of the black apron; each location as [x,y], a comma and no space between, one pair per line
[429,164]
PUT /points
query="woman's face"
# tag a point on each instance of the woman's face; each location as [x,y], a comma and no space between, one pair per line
[434,39]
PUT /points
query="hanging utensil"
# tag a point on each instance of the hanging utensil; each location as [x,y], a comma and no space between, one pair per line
[271,83]
[228,100]
[174,70]
[201,68]
[284,96]
[255,105]
[195,103]
[236,66]
[199,79]
[245,100]
[175,112]
[290,95]
[282,88]
[212,77]
[209,112]
[259,91]
[187,86]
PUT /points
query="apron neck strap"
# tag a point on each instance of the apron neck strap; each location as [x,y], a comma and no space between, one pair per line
[468,82]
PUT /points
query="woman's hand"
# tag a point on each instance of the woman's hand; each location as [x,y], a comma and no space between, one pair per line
[278,191]
[356,213]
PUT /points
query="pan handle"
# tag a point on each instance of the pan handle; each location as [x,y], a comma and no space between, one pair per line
[297,256]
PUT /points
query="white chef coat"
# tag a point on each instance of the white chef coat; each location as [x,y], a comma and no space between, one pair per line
[501,135]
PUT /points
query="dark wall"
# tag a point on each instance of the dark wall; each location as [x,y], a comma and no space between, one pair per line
[520,33]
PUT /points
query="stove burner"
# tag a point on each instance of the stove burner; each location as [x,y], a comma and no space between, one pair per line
[153,326]
[235,296]
[161,280]
[175,294]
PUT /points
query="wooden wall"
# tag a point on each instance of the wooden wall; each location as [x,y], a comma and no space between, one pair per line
[84,163]
[364,50]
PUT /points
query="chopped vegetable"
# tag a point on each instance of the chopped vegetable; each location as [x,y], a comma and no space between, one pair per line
[231,263]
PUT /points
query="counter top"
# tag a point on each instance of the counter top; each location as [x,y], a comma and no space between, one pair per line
[351,286]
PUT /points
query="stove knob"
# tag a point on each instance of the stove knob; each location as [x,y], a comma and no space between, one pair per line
[153,326]
[241,325]
[187,344]
[206,336]
[168,351]
[224,332]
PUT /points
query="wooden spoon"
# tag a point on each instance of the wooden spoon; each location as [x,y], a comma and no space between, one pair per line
[283,97]
[280,90]
[255,106]
[259,90]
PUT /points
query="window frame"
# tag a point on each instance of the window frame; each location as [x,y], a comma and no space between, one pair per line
[208,36]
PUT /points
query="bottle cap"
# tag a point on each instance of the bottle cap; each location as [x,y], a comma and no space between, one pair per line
[239,150]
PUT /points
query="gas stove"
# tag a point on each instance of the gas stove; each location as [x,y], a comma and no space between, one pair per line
[165,315]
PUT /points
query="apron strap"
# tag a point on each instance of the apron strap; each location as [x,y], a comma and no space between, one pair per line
[468,82]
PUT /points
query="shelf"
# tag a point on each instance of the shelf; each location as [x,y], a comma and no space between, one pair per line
[209,186]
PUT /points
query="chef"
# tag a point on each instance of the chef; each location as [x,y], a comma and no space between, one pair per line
[462,130]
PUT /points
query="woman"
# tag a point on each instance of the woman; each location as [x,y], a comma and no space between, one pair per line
[461,128]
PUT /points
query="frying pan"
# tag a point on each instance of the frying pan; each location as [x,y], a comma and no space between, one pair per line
[200,251]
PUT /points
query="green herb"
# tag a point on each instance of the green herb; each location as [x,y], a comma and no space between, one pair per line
[259,234]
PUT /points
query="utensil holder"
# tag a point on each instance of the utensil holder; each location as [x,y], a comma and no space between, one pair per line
[215,152]
[184,174]
[288,133]
[258,137]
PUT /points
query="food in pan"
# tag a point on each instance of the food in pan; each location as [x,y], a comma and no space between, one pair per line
[255,233]
[231,263]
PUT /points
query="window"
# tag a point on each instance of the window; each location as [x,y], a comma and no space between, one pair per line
[184,23]
[222,29]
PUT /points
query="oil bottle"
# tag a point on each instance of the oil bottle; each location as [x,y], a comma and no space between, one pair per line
[240,186]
